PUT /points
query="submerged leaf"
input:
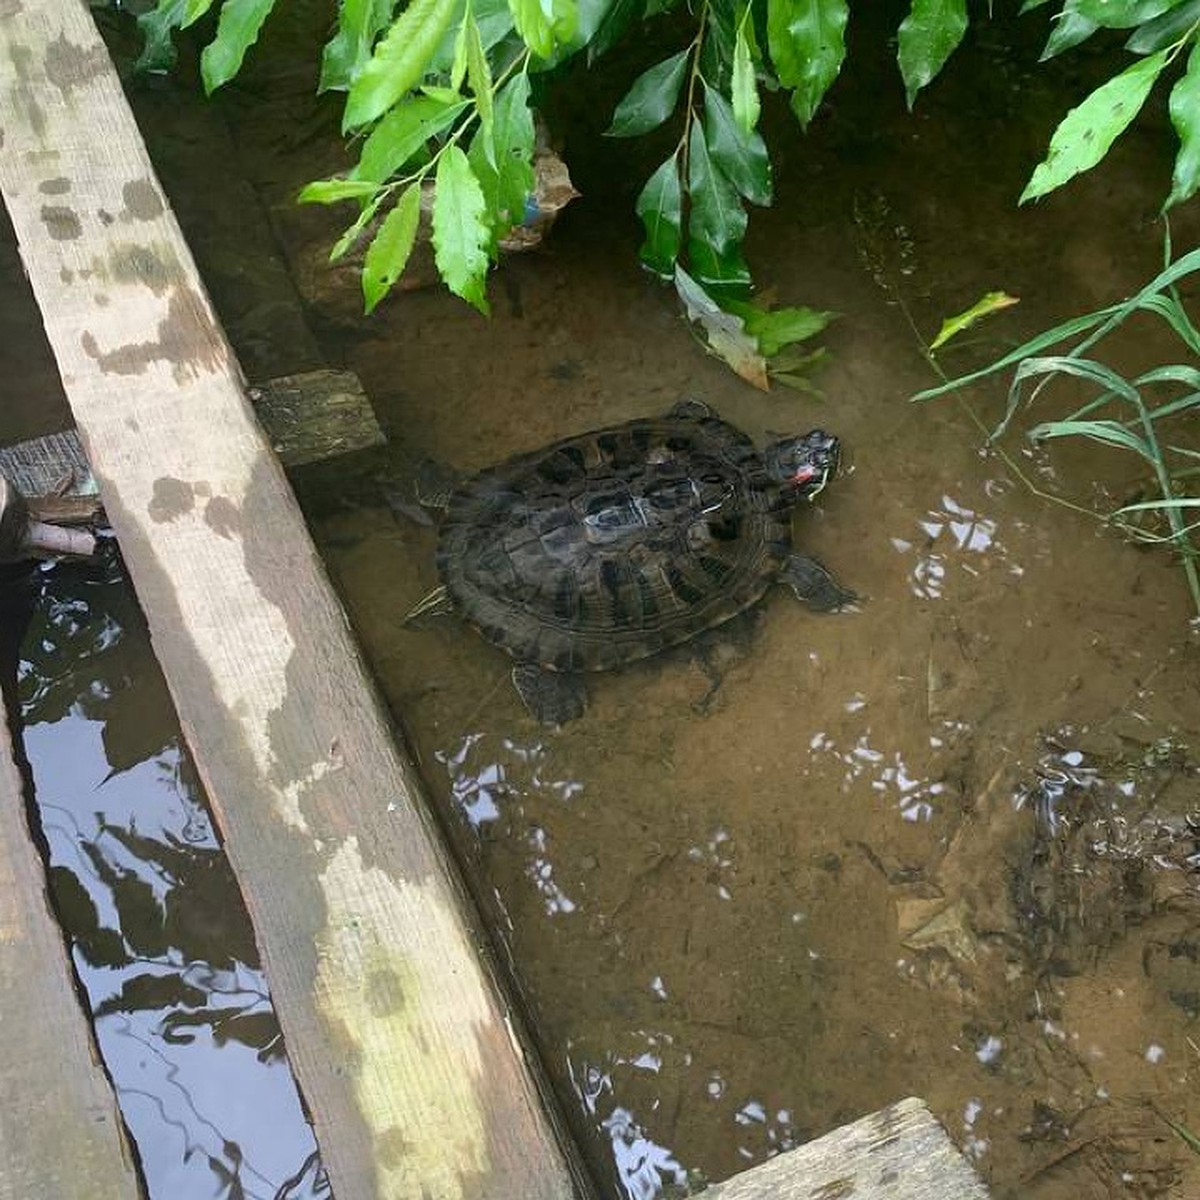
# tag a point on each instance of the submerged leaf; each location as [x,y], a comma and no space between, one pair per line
[927,37]
[460,233]
[388,254]
[1185,116]
[156,26]
[651,99]
[983,307]
[725,333]
[808,45]
[660,207]
[237,31]
[778,328]
[399,61]
[1086,133]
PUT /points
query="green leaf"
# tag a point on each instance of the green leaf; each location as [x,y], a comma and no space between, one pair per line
[807,43]
[726,276]
[616,20]
[741,156]
[651,99]
[1108,432]
[544,23]
[401,134]
[928,36]
[399,61]
[1165,30]
[331,191]
[237,31]
[1185,116]
[156,26]
[351,235]
[744,88]
[1069,30]
[782,327]
[983,307]
[479,74]
[388,253]
[359,23]
[660,207]
[1086,132]
[193,10]
[458,69]
[717,216]
[502,157]
[1122,14]
[460,233]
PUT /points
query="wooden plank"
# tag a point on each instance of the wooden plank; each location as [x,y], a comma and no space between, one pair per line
[308,417]
[61,1136]
[898,1153]
[397,1031]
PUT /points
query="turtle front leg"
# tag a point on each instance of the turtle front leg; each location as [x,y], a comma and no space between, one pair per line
[552,697]
[813,584]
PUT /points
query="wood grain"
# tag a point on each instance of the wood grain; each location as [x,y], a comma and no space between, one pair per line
[61,1136]
[398,1033]
[898,1153]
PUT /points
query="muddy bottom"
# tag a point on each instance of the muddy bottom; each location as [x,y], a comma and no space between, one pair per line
[942,845]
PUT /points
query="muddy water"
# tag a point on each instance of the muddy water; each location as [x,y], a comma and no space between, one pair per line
[938,846]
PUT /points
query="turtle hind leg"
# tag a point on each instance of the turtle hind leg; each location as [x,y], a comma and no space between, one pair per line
[552,697]
[813,584]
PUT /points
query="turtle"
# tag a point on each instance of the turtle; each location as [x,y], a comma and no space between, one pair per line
[614,545]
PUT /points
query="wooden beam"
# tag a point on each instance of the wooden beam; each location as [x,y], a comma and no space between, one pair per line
[307,417]
[898,1153]
[61,1136]
[402,1043]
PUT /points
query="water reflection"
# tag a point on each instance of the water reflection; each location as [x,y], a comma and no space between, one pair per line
[160,941]
[951,534]
[492,781]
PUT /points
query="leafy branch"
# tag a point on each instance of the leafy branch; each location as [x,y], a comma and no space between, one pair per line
[438,95]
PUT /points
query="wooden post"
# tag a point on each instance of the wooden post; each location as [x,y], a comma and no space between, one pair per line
[61,1136]
[403,1045]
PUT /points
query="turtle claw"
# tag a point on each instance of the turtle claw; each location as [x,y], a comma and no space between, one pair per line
[552,697]
[436,604]
[815,586]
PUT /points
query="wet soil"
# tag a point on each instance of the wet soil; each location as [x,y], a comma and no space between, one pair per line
[944,845]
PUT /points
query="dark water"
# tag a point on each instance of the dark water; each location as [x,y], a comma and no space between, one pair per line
[159,938]
[942,846]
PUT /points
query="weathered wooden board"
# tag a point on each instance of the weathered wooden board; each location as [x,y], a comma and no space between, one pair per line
[898,1153]
[307,417]
[61,1136]
[399,1036]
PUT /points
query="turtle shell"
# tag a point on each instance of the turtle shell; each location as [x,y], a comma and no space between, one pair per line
[613,545]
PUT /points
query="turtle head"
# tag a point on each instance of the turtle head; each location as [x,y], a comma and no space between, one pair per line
[805,464]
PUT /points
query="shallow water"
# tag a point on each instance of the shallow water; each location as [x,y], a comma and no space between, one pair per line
[937,846]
